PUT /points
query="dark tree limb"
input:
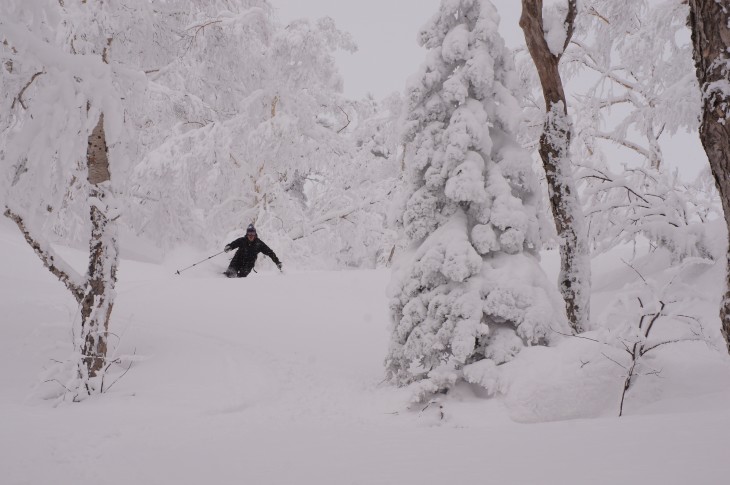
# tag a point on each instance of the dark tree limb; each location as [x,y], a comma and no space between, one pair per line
[531,22]
[570,22]
[652,347]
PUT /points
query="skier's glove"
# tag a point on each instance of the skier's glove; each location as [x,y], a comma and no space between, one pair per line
[227,248]
[278,265]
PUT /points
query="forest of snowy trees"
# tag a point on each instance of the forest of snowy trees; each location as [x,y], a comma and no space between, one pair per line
[183,121]
[464,303]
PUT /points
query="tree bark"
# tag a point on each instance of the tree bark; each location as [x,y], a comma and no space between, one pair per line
[96,293]
[50,260]
[574,279]
[96,306]
[708,20]
[274,102]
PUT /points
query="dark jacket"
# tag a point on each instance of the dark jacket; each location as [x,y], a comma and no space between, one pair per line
[248,251]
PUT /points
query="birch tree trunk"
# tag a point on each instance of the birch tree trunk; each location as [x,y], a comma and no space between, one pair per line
[575,270]
[96,305]
[709,21]
[95,293]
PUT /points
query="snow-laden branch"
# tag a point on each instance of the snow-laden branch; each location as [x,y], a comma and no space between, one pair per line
[53,57]
[625,143]
[330,216]
[55,264]
[590,62]
[608,102]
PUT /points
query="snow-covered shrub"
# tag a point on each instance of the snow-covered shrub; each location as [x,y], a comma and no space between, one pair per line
[635,202]
[651,314]
[632,105]
[471,289]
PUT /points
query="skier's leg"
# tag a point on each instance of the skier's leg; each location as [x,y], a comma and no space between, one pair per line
[243,272]
[236,265]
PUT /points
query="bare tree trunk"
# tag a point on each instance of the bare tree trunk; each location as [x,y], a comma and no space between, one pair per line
[575,270]
[95,293]
[96,306]
[708,20]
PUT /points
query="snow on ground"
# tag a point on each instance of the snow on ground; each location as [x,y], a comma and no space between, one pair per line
[277,380]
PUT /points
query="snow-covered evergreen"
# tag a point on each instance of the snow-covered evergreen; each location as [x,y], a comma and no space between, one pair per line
[470,293]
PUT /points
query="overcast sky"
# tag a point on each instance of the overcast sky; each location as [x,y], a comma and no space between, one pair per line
[385,32]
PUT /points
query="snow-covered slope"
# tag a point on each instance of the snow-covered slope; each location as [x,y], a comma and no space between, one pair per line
[277,380]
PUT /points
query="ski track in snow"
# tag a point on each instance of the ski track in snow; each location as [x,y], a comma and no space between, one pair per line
[277,380]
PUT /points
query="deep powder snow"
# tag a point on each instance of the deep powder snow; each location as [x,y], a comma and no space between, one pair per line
[278,379]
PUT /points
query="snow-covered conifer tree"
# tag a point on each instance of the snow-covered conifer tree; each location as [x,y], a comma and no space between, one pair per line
[470,294]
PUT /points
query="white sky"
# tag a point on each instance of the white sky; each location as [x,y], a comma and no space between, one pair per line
[385,32]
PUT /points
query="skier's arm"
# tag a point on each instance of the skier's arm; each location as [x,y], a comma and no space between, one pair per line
[267,251]
[235,244]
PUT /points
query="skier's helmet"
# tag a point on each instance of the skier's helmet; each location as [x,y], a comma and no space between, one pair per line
[250,229]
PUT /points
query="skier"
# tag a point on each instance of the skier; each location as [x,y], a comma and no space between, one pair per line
[248,247]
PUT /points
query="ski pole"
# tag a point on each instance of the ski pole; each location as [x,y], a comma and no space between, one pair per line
[203,261]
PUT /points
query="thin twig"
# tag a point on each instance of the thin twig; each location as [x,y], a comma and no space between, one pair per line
[123,373]
[60,384]
[653,373]
[647,349]
[575,336]
[614,361]
[19,97]
[654,318]
[202,26]
[594,12]
[637,272]
[348,120]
